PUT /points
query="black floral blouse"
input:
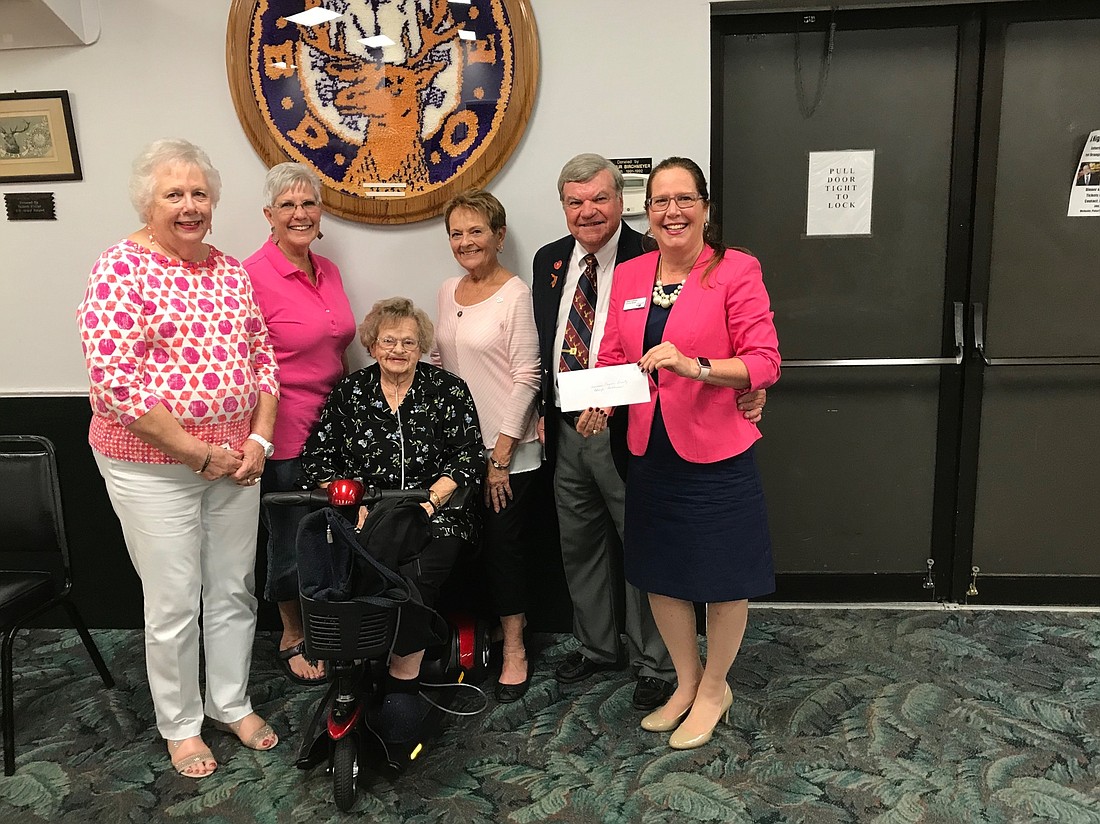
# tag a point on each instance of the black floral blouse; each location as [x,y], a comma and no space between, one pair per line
[434,432]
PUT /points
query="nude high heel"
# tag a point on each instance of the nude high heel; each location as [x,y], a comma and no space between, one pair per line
[681,740]
[655,722]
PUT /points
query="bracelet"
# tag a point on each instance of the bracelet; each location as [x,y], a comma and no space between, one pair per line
[206,463]
[434,499]
[497,465]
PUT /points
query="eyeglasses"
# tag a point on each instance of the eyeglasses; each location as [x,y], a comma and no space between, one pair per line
[289,207]
[660,204]
[391,343]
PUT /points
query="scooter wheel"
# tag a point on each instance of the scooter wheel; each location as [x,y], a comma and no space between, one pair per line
[345,772]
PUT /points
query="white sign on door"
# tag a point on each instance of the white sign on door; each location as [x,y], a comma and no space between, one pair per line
[838,197]
[1084,192]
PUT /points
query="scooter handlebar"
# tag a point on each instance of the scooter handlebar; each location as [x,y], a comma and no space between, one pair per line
[342,492]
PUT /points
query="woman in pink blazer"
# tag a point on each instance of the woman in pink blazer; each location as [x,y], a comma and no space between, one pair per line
[696,317]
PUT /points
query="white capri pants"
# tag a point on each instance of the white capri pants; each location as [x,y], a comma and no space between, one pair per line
[189,540]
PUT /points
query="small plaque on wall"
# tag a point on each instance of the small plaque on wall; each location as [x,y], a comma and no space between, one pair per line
[30,206]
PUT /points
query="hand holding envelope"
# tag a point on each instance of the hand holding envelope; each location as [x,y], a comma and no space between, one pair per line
[608,386]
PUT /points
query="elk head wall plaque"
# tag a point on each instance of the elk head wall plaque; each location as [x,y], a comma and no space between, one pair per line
[396,104]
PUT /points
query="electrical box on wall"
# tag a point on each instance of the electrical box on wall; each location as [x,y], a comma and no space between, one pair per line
[634,193]
[635,177]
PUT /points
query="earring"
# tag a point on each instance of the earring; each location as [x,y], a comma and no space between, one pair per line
[320,234]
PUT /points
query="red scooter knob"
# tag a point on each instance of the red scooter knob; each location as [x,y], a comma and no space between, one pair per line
[345,492]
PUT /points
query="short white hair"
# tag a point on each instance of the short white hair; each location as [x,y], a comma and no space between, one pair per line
[166,152]
[288,176]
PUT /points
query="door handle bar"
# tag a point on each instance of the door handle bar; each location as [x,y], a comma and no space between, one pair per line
[953,361]
[979,345]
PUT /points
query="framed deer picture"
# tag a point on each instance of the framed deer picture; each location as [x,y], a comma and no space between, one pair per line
[37,139]
[396,104]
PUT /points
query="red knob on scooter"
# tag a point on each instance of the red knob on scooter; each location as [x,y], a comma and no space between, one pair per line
[345,492]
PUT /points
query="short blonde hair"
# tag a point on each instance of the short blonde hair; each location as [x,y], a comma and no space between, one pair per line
[393,310]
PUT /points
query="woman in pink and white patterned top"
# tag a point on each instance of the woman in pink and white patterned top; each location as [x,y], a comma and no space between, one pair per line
[184,394]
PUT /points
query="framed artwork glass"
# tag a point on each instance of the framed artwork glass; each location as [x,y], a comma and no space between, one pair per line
[37,139]
[396,104]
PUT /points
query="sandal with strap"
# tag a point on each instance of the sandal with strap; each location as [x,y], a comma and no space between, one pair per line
[254,741]
[282,659]
[188,761]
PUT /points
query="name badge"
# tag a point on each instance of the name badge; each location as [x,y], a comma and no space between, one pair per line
[633,303]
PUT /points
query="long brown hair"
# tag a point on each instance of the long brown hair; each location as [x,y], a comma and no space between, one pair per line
[712,234]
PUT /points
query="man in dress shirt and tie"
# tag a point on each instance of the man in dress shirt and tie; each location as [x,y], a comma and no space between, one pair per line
[588,486]
[1087,176]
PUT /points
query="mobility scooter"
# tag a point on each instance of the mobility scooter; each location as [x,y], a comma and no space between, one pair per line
[351,626]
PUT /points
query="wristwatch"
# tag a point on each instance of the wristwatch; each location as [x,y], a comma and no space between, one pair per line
[704,368]
[269,447]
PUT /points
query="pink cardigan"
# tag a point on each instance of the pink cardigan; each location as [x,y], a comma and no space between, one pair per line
[730,316]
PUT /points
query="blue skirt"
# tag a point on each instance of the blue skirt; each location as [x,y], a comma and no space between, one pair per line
[697,532]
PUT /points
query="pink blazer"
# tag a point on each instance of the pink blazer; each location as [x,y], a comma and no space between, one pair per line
[730,316]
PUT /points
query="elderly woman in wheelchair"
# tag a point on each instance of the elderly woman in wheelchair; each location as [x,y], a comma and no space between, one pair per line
[403,424]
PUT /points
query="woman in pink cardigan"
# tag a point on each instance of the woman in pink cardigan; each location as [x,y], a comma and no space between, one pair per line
[696,317]
[485,334]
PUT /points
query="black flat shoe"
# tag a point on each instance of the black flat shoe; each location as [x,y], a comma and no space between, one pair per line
[510,693]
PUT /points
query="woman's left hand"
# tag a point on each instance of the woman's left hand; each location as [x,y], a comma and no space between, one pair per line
[498,490]
[665,355]
[252,464]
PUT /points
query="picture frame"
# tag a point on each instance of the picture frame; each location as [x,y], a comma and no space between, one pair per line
[393,131]
[37,138]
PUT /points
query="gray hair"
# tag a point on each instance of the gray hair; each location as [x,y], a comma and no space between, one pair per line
[166,152]
[583,168]
[286,176]
[392,310]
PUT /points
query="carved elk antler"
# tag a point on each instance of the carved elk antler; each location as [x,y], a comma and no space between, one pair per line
[390,95]
[11,145]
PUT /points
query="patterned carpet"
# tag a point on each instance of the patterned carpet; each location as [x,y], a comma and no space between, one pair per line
[889,716]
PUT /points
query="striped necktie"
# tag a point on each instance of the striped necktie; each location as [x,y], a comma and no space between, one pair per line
[582,316]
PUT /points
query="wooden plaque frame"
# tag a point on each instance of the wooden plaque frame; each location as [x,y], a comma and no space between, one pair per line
[393,132]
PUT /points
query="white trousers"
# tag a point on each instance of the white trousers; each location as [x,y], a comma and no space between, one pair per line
[190,540]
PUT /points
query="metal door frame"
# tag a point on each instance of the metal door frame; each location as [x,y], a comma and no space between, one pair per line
[955,332]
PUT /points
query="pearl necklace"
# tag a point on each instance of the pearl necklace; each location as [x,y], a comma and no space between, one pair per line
[663,300]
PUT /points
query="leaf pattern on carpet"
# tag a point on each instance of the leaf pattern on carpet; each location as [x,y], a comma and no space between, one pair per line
[840,716]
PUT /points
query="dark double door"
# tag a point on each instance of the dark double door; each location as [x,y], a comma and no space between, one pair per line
[939,408]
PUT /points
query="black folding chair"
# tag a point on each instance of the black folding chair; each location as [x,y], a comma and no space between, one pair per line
[34,558]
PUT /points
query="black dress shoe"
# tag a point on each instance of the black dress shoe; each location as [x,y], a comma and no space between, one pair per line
[651,693]
[576,668]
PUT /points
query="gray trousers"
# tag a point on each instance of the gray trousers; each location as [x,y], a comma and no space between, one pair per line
[590,495]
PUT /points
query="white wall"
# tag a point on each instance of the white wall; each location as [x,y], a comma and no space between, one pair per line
[625,78]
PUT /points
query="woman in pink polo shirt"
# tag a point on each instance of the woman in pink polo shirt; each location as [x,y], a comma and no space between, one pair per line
[310,324]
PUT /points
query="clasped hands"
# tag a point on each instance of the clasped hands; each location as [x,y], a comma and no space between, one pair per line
[244,466]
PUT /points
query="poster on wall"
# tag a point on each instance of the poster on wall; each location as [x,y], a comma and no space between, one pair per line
[838,195]
[1084,193]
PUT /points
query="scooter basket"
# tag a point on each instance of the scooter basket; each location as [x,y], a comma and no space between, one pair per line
[347,630]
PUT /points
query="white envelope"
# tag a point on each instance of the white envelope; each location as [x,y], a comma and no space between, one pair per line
[608,386]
